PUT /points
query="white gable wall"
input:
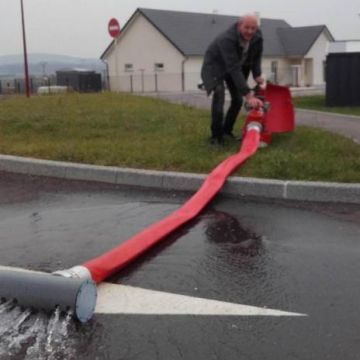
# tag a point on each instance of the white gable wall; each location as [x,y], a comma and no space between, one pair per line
[318,54]
[353,46]
[142,45]
[344,46]
[192,67]
[192,71]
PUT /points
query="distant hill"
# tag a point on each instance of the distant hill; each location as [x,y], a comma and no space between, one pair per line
[12,65]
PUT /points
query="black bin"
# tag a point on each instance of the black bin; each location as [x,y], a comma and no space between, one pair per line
[82,81]
[343,79]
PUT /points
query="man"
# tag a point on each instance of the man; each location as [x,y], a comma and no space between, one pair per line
[230,58]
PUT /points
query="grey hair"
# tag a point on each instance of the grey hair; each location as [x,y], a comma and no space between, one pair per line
[253,15]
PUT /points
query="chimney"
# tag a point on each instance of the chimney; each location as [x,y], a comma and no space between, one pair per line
[215,12]
[258,18]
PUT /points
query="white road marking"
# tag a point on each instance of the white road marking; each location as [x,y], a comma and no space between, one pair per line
[122,299]
[12,268]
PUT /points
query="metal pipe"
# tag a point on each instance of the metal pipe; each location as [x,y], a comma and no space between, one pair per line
[47,291]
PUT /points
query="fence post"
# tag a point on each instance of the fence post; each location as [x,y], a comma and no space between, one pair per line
[131,83]
[17,86]
[156,82]
[142,80]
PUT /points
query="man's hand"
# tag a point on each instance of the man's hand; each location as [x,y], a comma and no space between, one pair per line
[260,80]
[253,101]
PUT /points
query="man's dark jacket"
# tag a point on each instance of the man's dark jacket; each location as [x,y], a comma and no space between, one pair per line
[224,56]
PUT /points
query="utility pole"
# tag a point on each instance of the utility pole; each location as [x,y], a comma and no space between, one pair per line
[26,67]
[43,66]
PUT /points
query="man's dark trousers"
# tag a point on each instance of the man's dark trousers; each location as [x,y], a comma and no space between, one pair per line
[217,108]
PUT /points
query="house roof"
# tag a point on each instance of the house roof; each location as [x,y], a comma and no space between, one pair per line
[297,41]
[191,33]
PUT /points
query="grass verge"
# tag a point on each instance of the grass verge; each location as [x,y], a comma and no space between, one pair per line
[317,102]
[141,132]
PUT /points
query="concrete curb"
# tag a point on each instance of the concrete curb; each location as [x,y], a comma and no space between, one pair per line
[325,113]
[167,180]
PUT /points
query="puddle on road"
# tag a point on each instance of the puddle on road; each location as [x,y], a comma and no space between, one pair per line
[227,232]
[38,336]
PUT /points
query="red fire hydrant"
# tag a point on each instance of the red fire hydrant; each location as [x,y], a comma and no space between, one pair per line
[275,116]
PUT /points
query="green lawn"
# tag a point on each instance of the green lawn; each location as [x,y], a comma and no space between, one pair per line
[318,103]
[141,132]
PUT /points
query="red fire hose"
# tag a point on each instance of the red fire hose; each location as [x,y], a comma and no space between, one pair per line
[75,288]
[114,260]
[259,125]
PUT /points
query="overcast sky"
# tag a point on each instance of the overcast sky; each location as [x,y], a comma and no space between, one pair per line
[79,27]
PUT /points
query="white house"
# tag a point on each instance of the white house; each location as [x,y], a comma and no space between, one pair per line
[345,46]
[159,50]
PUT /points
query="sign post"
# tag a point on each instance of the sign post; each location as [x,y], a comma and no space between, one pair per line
[114,31]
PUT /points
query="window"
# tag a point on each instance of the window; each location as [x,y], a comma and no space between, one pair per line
[274,71]
[274,66]
[159,66]
[129,67]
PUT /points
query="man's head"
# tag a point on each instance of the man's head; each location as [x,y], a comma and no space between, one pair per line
[247,26]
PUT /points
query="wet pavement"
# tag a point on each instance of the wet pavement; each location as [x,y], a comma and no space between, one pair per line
[294,257]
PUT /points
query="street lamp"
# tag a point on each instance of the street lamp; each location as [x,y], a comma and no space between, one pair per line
[26,68]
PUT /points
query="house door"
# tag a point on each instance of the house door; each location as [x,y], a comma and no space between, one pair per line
[309,72]
[295,75]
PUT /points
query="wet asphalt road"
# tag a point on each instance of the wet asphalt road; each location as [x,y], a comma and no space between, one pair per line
[294,257]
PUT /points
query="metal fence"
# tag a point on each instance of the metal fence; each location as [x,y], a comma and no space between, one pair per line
[16,85]
[10,85]
[146,82]
[141,81]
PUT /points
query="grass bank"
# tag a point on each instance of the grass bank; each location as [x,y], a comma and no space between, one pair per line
[317,102]
[140,132]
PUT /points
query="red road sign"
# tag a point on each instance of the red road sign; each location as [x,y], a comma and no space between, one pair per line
[114,27]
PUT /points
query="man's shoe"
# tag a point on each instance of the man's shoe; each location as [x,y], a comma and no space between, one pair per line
[232,137]
[216,141]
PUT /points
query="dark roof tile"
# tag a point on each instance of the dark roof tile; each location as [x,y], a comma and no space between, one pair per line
[191,33]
